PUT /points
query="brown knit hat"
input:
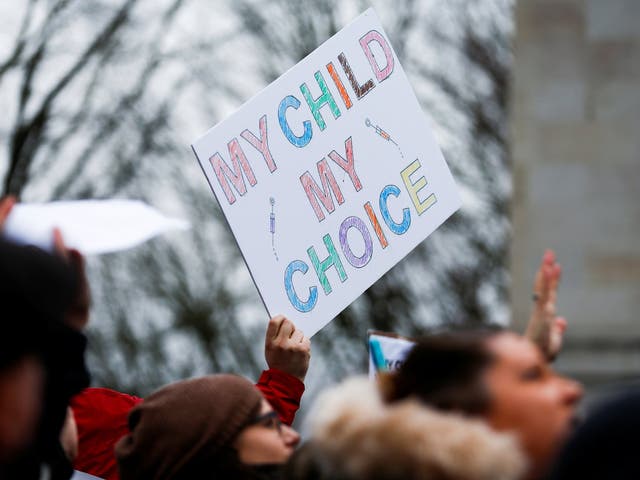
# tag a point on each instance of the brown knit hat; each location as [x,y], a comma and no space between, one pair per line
[181,422]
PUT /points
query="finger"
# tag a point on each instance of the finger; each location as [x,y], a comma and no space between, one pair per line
[76,260]
[58,244]
[78,263]
[541,280]
[297,336]
[287,329]
[556,337]
[549,257]
[538,286]
[6,204]
[557,272]
[548,263]
[274,326]
[550,278]
[561,324]
[303,339]
[539,276]
[554,280]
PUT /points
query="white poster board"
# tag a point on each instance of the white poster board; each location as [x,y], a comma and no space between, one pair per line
[329,176]
[387,352]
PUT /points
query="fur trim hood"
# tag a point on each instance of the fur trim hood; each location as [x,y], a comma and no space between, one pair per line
[355,436]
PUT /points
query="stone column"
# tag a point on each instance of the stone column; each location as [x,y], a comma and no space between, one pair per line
[575,139]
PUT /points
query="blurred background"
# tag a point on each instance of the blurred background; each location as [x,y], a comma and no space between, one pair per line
[536,105]
[574,114]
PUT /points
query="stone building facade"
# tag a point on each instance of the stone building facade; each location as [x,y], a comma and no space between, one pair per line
[575,143]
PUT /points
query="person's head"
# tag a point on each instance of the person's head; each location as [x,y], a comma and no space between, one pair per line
[499,376]
[215,425]
[35,290]
[265,440]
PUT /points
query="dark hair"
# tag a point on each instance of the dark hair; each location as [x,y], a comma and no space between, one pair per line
[35,290]
[444,370]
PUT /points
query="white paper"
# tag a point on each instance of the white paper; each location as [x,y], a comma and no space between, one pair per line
[90,226]
[77,475]
[394,350]
[265,162]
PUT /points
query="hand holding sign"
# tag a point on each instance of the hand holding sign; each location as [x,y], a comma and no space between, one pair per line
[334,164]
[286,348]
[77,315]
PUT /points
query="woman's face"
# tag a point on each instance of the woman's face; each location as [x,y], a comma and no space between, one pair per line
[529,398]
[266,441]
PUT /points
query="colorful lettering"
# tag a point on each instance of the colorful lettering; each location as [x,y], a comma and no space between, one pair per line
[397,228]
[325,98]
[414,188]
[292,102]
[261,144]
[376,225]
[345,226]
[347,165]
[300,305]
[359,90]
[333,260]
[336,79]
[315,193]
[224,173]
[365,42]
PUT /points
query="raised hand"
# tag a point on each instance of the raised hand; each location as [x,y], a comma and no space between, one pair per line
[6,204]
[545,327]
[286,348]
[77,315]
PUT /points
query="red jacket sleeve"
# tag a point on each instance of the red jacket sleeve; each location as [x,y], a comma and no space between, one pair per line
[101,416]
[283,392]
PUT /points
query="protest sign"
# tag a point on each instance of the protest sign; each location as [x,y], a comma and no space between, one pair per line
[387,351]
[329,176]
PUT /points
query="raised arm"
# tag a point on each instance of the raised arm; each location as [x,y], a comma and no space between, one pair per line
[287,352]
[286,348]
[77,315]
[6,204]
[545,327]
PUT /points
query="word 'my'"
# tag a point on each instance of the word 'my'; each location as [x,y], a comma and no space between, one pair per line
[305,296]
[231,177]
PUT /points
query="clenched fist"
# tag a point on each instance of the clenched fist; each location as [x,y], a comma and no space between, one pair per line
[286,348]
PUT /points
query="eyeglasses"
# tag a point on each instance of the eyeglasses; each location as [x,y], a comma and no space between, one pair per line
[268,420]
